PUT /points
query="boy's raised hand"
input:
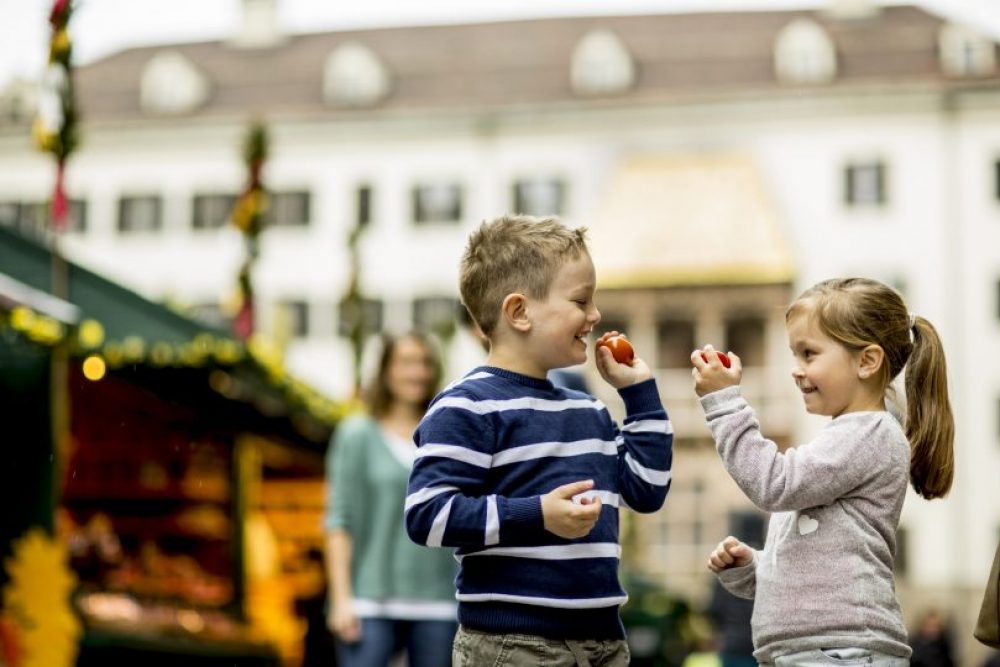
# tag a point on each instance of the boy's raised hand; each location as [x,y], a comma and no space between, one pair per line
[616,374]
[730,553]
[709,372]
[565,518]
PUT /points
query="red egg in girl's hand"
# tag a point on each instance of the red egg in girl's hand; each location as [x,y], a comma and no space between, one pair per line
[620,348]
[723,357]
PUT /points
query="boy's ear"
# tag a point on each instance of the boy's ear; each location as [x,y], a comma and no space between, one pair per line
[514,311]
[870,361]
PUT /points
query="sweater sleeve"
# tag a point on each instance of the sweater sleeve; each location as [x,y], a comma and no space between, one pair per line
[645,453]
[447,504]
[829,467]
[345,462]
[741,581]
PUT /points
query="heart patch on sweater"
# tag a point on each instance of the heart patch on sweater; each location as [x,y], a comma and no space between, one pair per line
[807,524]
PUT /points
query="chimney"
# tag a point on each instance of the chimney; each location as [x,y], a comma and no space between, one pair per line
[260,24]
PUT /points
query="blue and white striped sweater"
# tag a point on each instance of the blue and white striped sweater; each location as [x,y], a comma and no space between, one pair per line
[489,447]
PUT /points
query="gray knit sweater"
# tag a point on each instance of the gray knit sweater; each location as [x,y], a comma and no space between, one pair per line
[824,578]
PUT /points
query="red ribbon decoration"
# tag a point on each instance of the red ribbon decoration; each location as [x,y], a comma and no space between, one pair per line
[60,204]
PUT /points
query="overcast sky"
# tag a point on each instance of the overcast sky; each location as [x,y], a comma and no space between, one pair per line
[100,27]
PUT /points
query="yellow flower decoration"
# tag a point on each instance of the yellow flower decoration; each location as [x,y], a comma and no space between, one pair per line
[59,45]
[90,334]
[162,354]
[133,348]
[37,597]
[22,318]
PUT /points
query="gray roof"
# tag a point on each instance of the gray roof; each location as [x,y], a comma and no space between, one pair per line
[527,62]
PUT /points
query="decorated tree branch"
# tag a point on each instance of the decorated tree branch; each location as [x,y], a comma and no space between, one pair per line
[248,217]
[352,306]
[55,125]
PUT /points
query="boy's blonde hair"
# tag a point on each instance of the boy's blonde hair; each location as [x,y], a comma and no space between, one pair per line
[514,253]
[858,312]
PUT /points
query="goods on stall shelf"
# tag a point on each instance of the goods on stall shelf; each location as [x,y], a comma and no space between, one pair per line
[146,499]
[185,445]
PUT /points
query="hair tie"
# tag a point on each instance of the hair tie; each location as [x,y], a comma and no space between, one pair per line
[913,327]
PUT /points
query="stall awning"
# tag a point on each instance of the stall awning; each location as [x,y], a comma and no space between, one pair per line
[155,346]
[688,220]
[14,293]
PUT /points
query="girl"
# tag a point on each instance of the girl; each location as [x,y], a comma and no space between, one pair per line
[823,584]
[386,592]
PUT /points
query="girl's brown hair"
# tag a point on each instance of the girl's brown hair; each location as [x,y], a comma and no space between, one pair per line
[858,312]
[379,397]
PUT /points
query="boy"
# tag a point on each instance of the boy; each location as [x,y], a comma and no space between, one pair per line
[526,478]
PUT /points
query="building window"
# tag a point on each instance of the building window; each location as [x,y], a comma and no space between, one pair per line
[966,52]
[28,218]
[368,315]
[139,214]
[601,65]
[363,212]
[804,53]
[998,299]
[675,341]
[288,209]
[541,197]
[212,211]
[35,218]
[437,203]
[746,337]
[77,222]
[9,211]
[865,184]
[437,314]
[996,171]
[611,323]
[998,417]
[293,318]
[901,564]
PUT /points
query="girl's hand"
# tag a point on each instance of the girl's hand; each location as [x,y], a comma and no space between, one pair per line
[711,375]
[730,553]
[343,623]
[616,374]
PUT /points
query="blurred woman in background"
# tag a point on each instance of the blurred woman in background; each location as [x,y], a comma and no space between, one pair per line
[387,594]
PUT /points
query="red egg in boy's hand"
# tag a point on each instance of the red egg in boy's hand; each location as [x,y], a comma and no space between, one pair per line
[620,348]
[723,357]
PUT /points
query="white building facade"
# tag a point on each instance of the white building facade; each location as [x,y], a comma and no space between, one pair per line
[874,141]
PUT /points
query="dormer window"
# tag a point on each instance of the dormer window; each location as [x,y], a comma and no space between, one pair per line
[354,77]
[804,53]
[601,65]
[966,52]
[172,84]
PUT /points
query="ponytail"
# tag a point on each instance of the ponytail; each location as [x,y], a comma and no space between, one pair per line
[930,426]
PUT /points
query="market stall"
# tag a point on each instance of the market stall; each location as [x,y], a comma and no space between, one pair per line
[187,491]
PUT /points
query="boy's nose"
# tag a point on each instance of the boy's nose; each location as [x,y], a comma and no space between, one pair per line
[595,315]
[797,373]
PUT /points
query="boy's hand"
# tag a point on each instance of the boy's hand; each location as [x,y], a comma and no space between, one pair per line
[711,375]
[564,517]
[616,374]
[730,553]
